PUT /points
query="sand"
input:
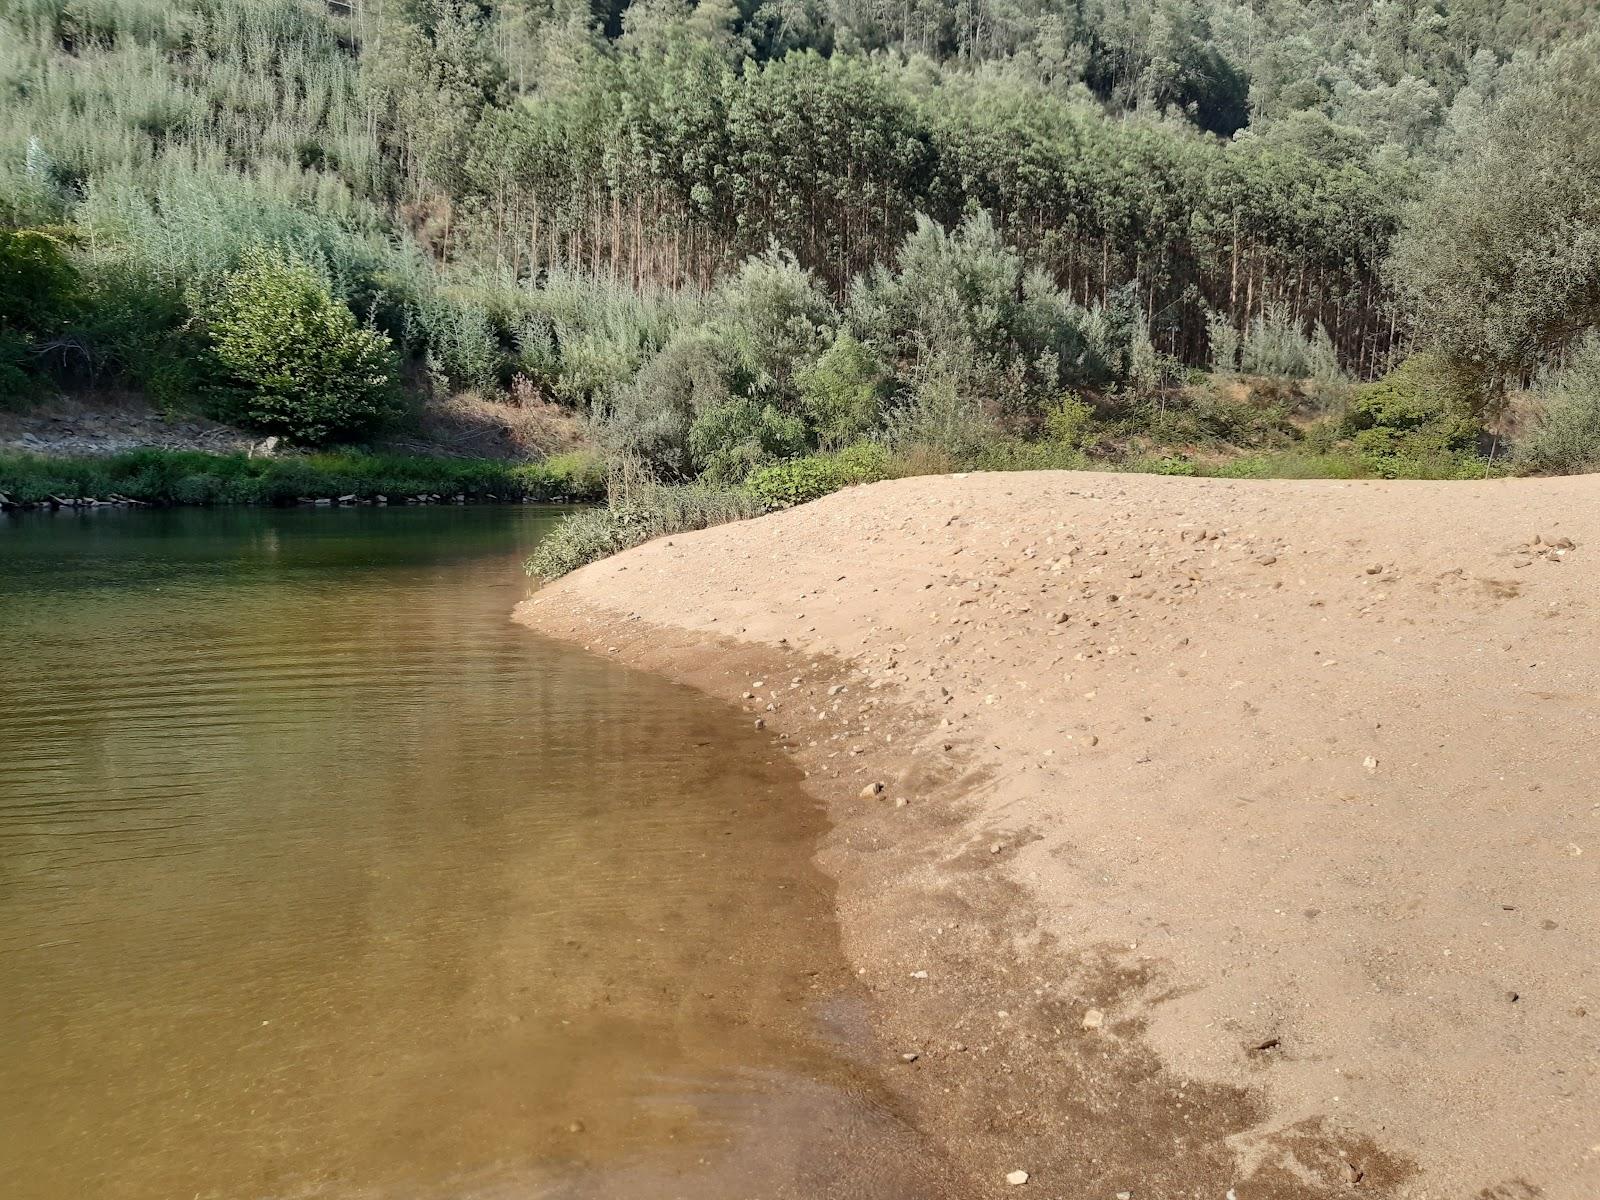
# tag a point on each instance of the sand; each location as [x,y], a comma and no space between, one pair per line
[1231,834]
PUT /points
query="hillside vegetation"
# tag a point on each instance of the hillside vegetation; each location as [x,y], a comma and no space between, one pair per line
[1310,237]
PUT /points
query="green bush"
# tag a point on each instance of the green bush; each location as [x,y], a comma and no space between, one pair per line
[782,485]
[842,392]
[730,440]
[296,361]
[1014,454]
[643,515]
[40,291]
[1067,422]
[166,477]
[1419,421]
[39,286]
[1565,437]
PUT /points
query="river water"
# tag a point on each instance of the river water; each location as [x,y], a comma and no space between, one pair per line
[320,878]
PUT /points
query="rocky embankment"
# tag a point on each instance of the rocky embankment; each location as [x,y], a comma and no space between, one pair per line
[89,427]
[1195,838]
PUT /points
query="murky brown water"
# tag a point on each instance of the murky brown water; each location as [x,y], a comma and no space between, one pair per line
[319,878]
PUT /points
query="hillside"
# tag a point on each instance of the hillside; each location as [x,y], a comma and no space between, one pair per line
[1230,834]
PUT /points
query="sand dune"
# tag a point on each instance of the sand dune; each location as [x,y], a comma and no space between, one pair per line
[1232,834]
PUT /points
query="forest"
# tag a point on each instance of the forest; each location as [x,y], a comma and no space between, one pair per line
[728,235]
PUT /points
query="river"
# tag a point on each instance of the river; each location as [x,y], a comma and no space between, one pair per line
[321,878]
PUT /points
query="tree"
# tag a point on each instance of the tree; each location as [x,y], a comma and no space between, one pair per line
[1501,260]
[296,361]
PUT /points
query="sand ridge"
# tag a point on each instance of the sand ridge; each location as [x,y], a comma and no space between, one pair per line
[1233,834]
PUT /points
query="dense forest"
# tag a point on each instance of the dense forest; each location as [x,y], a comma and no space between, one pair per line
[733,232]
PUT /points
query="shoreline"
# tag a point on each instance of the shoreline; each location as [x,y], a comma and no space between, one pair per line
[977,1022]
[1070,1017]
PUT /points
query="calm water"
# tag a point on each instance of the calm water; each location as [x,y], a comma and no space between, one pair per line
[319,878]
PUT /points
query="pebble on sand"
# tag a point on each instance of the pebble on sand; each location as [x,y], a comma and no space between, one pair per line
[1017,1178]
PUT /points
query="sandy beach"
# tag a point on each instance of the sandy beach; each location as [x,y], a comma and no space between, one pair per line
[1194,838]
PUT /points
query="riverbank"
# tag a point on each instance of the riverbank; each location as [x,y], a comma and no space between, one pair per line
[186,477]
[1190,834]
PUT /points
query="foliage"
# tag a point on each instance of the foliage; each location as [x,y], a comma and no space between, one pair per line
[188,477]
[1419,421]
[784,484]
[299,363]
[842,393]
[1501,259]
[1276,345]
[643,515]
[40,290]
[728,441]
[1067,422]
[1565,438]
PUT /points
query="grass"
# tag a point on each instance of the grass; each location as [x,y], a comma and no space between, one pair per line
[183,477]
[644,514]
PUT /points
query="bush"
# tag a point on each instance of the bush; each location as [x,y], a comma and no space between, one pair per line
[643,515]
[167,477]
[1014,454]
[1419,421]
[649,418]
[1276,345]
[1565,438]
[39,286]
[39,292]
[785,484]
[731,439]
[842,392]
[296,361]
[1067,422]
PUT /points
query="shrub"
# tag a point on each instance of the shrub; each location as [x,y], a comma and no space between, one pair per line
[773,316]
[649,418]
[1420,420]
[842,392]
[298,363]
[1067,422]
[1276,345]
[731,439]
[39,286]
[785,484]
[1014,454]
[39,292]
[191,477]
[642,515]
[1565,438]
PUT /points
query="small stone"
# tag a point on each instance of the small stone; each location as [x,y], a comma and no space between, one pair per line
[1093,1019]
[1370,763]
[1375,569]
[1124,1196]
[901,802]
[1017,1178]
[910,1056]
[575,1127]
[761,723]
[919,974]
[1266,560]
[871,790]
[994,848]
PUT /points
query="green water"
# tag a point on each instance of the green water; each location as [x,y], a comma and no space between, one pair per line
[320,878]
